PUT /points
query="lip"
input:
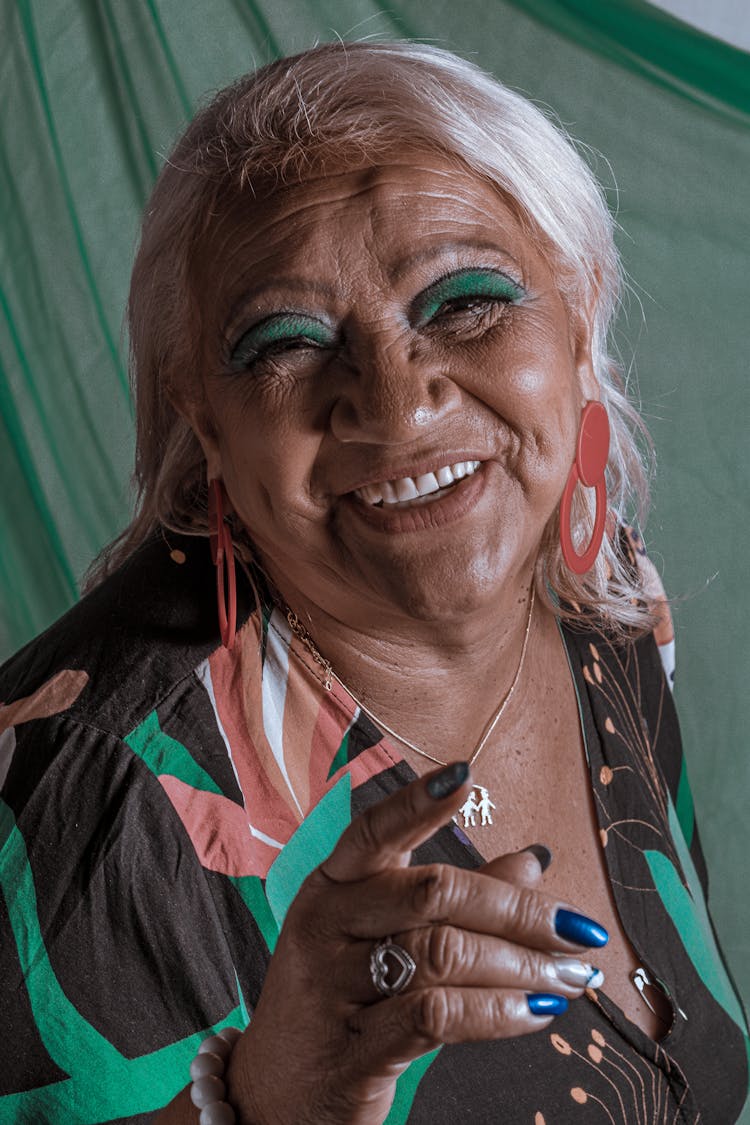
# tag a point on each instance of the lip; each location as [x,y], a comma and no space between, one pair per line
[427,464]
[438,511]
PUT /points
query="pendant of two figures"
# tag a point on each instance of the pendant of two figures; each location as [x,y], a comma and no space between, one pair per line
[476,809]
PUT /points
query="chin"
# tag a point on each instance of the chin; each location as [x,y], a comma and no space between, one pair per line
[452,586]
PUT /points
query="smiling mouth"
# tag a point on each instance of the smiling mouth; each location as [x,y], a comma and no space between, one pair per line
[409,491]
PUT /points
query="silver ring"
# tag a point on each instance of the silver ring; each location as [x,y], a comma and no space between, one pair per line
[399,960]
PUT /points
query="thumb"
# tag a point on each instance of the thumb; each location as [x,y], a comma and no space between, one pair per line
[524,868]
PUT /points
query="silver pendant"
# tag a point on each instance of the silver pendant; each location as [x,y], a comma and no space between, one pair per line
[476,809]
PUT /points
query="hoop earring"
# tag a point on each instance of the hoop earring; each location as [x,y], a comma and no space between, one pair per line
[222,556]
[592,453]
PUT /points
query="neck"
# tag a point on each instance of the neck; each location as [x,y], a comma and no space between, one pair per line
[436,687]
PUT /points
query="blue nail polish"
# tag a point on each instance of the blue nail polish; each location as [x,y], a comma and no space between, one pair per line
[579,929]
[447,781]
[546,1004]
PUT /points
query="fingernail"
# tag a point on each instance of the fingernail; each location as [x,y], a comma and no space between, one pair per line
[542,853]
[448,780]
[578,973]
[546,1004]
[579,929]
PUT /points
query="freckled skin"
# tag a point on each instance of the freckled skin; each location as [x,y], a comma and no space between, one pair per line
[436,613]
[294,435]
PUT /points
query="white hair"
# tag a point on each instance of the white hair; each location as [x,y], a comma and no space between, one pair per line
[344,106]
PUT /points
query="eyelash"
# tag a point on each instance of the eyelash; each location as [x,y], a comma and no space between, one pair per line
[479,308]
[268,352]
[455,306]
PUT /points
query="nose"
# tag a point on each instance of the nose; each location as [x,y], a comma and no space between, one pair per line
[390,395]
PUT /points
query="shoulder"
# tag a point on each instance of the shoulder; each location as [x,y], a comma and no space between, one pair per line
[124,646]
[71,697]
[633,670]
[628,678]
[110,706]
[112,694]
[654,595]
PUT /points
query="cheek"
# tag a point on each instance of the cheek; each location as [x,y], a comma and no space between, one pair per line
[554,427]
[267,461]
[530,382]
[532,373]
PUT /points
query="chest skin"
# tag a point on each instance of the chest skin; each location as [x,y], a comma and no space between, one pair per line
[536,771]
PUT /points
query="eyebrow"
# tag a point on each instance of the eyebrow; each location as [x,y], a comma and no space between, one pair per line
[294,284]
[431,252]
[400,267]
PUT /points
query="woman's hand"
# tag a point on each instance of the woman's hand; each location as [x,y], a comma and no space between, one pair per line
[324,1045]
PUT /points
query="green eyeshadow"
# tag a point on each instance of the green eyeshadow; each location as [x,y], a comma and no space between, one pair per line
[466,284]
[278,329]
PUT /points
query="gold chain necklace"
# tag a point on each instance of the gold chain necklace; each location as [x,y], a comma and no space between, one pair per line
[479,801]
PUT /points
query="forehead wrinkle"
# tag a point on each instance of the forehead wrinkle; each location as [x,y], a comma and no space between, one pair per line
[239,284]
[260,232]
[292,202]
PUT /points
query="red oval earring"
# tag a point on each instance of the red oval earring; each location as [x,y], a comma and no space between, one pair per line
[222,556]
[592,454]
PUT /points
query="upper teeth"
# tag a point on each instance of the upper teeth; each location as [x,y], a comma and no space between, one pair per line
[410,488]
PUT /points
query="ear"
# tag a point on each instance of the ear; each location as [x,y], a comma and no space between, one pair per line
[581,342]
[196,412]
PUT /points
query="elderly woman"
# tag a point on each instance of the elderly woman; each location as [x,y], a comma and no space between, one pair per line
[397,805]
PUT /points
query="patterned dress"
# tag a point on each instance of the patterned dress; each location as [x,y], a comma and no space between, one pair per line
[162,800]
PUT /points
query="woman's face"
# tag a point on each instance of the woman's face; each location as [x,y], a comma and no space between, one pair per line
[364,335]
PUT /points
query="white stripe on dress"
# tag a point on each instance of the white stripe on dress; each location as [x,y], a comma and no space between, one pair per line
[273,692]
[203,672]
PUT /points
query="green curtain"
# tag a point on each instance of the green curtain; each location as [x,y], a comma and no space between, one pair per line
[94,91]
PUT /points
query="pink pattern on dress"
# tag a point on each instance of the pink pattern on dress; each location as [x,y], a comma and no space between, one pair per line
[218,830]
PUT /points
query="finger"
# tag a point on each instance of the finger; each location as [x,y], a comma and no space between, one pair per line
[523,868]
[385,835]
[445,956]
[406,1026]
[440,894]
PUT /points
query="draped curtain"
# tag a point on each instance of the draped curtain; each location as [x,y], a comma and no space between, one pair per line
[92,93]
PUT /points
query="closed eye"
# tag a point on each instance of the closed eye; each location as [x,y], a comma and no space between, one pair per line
[465,291]
[277,336]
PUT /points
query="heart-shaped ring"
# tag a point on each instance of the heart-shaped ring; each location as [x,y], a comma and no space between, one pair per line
[387,956]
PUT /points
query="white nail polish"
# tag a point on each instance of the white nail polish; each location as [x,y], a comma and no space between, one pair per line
[578,973]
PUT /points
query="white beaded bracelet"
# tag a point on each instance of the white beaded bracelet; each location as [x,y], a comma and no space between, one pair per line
[208,1090]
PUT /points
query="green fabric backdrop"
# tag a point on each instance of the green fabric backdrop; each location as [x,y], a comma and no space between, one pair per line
[93,91]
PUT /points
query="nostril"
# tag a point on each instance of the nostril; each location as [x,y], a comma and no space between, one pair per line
[390,403]
[437,387]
